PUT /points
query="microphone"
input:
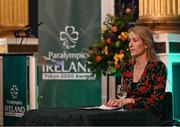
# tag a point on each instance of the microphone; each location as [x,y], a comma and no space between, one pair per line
[32,29]
[27,31]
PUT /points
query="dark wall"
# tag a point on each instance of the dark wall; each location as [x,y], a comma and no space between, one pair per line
[126,3]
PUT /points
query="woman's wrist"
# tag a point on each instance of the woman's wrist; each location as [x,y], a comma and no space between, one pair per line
[132,101]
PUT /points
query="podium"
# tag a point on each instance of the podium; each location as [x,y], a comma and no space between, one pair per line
[19,86]
[18,75]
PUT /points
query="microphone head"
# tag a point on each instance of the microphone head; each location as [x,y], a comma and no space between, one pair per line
[40,23]
[29,30]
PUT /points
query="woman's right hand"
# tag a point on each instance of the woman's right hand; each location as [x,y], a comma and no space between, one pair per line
[114,103]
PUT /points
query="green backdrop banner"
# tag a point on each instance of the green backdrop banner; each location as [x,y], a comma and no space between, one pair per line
[69,28]
[14,88]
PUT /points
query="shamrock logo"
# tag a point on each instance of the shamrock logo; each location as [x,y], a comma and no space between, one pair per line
[69,37]
[14,91]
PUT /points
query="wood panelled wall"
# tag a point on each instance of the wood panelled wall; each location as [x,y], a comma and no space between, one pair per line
[14,14]
[159,8]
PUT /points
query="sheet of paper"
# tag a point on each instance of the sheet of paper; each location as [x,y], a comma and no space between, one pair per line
[102,107]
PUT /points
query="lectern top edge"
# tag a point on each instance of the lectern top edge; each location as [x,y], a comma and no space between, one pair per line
[17,54]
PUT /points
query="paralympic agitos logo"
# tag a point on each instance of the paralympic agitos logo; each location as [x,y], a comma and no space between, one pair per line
[69,37]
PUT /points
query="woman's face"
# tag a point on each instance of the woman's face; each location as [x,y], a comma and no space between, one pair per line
[136,45]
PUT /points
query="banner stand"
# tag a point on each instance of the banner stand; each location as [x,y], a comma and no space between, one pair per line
[19,86]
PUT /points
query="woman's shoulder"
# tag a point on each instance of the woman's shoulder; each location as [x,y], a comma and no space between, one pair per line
[158,65]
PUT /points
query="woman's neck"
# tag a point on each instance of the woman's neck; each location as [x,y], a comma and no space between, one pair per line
[141,61]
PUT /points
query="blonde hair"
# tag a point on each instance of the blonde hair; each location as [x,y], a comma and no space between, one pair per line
[146,35]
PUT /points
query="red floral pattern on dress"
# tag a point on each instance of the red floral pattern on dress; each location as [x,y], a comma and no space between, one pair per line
[150,101]
[158,86]
[150,89]
[146,82]
[146,107]
[127,74]
[142,89]
[153,75]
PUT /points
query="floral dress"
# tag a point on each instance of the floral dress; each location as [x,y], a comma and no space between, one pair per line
[149,91]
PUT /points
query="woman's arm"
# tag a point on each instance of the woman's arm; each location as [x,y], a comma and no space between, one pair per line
[159,76]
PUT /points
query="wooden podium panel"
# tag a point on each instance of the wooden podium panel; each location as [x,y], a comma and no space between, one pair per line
[22,48]
[25,45]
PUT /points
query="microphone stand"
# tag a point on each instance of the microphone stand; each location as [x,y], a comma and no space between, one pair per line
[20,44]
[28,31]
